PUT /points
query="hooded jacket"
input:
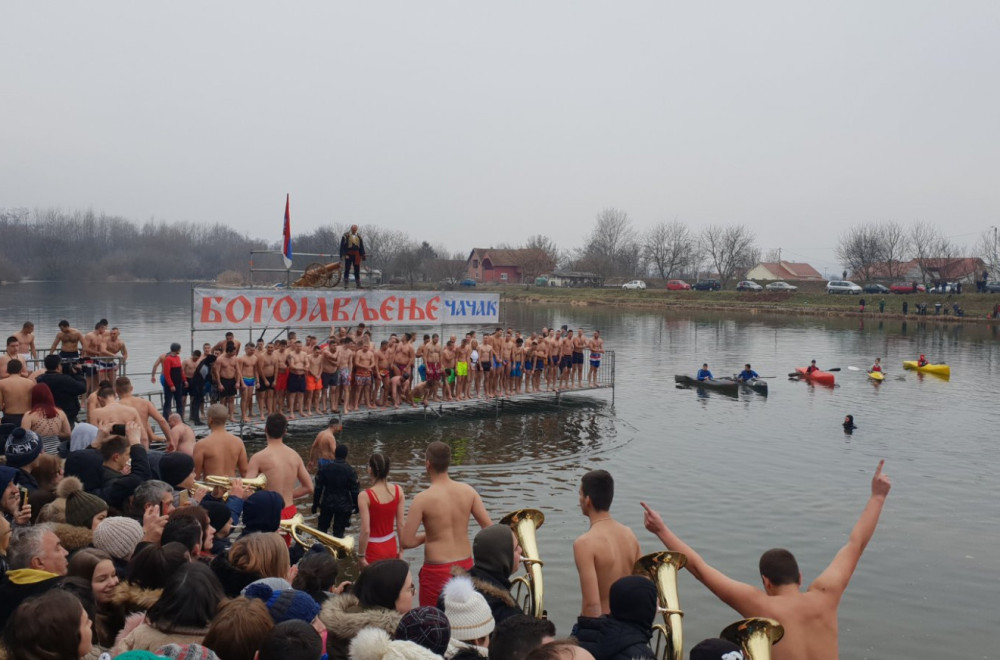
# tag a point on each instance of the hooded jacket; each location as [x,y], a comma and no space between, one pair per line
[343,617]
[21,584]
[336,488]
[625,632]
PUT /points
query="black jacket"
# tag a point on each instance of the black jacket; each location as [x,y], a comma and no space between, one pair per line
[611,639]
[20,585]
[66,391]
[344,249]
[336,488]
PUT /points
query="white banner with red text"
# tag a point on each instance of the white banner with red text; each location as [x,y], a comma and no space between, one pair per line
[303,308]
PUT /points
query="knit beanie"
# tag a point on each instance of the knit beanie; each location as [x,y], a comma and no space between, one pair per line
[7,475]
[218,514]
[118,536]
[493,551]
[122,489]
[467,611]
[81,507]
[275,583]
[22,447]
[285,605]
[262,512]
[374,644]
[175,467]
[716,649]
[633,598]
[427,626]
[186,652]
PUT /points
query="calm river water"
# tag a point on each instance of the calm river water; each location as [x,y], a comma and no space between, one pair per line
[733,477]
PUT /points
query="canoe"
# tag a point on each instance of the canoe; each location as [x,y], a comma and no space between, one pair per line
[727,385]
[757,385]
[876,376]
[821,377]
[939,369]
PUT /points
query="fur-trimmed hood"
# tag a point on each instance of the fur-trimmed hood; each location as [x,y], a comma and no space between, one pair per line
[486,585]
[72,537]
[344,619]
[133,598]
[376,644]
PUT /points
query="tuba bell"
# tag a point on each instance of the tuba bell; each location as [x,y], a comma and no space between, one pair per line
[755,636]
[524,523]
[337,547]
[662,568]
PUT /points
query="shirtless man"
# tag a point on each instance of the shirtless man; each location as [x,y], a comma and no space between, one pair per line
[432,362]
[448,362]
[268,370]
[230,338]
[15,394]
[281,380]
[506,363]
[404,357]
[443,510]
[345,365]
[324,445]
[383,363]
[298,363]
[809,618]
[112,412]
[188,367]
[579,343]
[462,369]
[596,347]
[607,551]
[282,465]
[220,452]
[225,372]
[94,401]
[26,340]
[364,369]
[314,380]
[12,353]
[145,408]
[247,366]
[95,348]
[486,364]
[566,362]
[68,340]
[115,347]
[181,437]
[329,378]
[517,369]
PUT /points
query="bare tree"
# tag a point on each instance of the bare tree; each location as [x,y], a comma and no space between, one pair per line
[546,245]
[988,249]
[895,248]
[732,250]
[611,248]
[772,256]
[933,252]
[860,252]
[669,248]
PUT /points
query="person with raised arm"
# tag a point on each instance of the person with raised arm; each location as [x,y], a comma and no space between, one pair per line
[810,617]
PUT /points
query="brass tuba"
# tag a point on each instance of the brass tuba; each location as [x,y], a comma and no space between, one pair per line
[337,547]
[524,523]
[755,636]
[662,568]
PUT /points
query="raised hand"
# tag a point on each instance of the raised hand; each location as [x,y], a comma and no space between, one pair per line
[652,520]
[880,482]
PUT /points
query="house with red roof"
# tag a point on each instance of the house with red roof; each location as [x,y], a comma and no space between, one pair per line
[507,266]
[785,270]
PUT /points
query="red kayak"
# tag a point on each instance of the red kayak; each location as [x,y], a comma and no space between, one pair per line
[821,377]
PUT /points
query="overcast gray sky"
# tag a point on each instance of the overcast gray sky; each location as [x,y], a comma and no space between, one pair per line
[472,123]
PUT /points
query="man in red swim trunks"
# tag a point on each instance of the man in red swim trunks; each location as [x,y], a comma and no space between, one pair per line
[444,510]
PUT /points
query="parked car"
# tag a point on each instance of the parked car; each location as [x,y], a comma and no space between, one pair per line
[992,287]
[677,285]
[468,281]
[781,286]
[634,284]
[875,288]
[747,285]
[947,287]
[842,286]
[907,287]
[707,285]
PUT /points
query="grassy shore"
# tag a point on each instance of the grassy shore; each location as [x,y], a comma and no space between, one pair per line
[810,299]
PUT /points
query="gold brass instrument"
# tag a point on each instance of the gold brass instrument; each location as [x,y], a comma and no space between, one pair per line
[319,275]
[213,481]
[337,547]
[755,636]
[662,568]
[525,522]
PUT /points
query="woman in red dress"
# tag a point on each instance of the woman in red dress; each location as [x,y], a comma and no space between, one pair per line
[381,508]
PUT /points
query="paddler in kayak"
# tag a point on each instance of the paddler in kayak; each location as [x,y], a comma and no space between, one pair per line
[877,367]
[747,374]
[922,362]
[704,373]
[812,367]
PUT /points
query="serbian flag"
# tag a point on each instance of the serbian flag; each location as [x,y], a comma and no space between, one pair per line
[286,240]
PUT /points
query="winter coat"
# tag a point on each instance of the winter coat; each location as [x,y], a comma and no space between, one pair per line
[128,599]
[343,617]
[21,584]
[73,538]
[336,488]
[611,639]
[145,637]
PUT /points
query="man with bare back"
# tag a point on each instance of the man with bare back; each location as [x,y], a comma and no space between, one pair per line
[220,452]
[443,510]
[225,373]
[364,370]
[607,551]
[111,411]
[145,408]
[285,471]
[181,436]
[809,618]
[324,445]
[15,394]
[247,365]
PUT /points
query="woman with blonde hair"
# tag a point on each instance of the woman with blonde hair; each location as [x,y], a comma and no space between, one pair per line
[252,557]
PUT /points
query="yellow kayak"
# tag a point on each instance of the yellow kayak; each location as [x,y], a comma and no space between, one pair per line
[939,369]
[876,376]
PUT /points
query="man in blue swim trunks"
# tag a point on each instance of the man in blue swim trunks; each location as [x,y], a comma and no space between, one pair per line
[596,346]
[566,361]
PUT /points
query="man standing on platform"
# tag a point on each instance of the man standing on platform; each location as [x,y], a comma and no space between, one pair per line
[352,251]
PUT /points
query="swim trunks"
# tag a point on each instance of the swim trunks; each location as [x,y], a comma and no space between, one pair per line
[540,364]
[462,369]
[228,387]
[486,367]
[281,384]
[595,363]
[329,379]
[433,577]
[70,357]
[296,383]
[383,373]
[577,357]
[265,384]
[249,382]
[433,372]
[553,360]
[516,370]
[566,362]
[344,376]
[105,365]
[449,375]
[313,384]
[363,377]
[422,371]
[89,367]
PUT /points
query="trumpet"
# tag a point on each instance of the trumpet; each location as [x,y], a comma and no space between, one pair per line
[755,636]
[337,547]
[524,523]
[662,568]
[214,481]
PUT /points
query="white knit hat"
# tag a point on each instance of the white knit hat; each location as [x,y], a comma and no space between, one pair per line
[375,644]
[118,536]
[467,611]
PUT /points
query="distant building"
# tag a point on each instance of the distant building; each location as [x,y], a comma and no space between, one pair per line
[507,266]
[785,270]
[956,269]
[572,278]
